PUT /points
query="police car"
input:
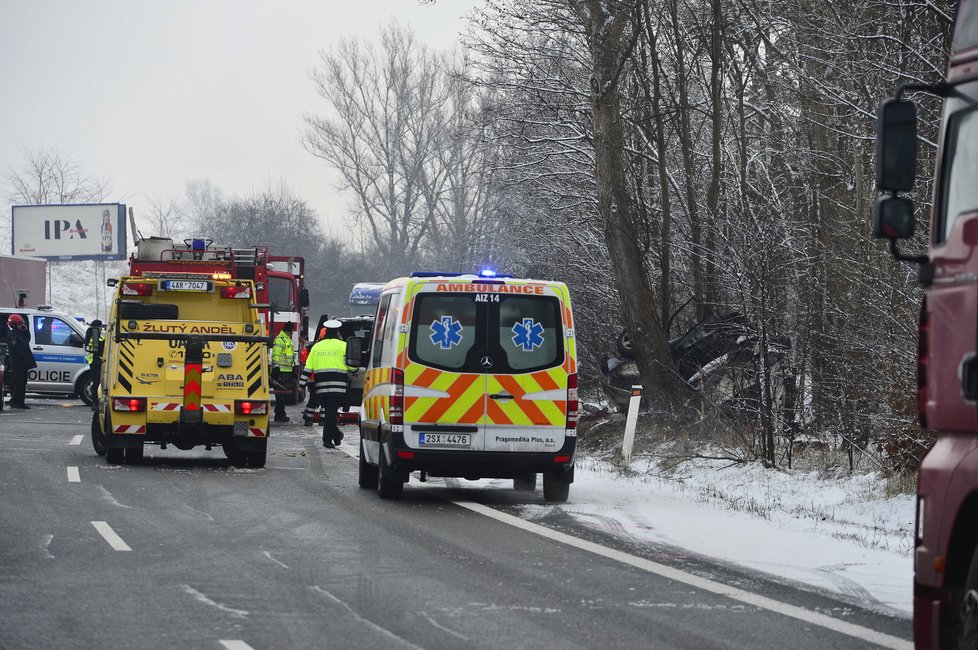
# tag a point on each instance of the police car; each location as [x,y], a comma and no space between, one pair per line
[58,344]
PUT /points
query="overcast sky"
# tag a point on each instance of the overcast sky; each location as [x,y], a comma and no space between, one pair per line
[155,93]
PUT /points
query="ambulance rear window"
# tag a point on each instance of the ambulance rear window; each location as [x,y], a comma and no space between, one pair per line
[443,330]
[530,332]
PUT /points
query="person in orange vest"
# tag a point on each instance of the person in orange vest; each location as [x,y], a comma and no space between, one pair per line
[329,375]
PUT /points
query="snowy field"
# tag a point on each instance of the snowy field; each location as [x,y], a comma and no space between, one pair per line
[835,533]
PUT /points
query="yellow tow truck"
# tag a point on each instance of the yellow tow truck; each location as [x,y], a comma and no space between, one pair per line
[185,363]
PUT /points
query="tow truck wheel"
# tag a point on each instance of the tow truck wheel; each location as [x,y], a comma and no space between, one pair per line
[98,437]
[968,626]
[238,458]
[85,388]
[368,472]
[257,458]
[388,487]
[556,486]
[526,483]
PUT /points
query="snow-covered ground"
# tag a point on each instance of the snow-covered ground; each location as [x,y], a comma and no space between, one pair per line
[836,533]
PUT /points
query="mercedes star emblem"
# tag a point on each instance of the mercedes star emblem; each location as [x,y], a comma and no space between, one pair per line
[487,361]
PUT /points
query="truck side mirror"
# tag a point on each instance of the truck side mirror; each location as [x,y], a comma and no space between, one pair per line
[893,218]
[896,145]
[304,299]
[354,350]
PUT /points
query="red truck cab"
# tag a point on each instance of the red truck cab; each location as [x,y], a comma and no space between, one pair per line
[946,534]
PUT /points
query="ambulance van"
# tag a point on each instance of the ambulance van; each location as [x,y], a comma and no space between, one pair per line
[473,377]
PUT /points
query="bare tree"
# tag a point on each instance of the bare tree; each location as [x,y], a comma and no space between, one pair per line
[165,216]
[48,176]
[382,134]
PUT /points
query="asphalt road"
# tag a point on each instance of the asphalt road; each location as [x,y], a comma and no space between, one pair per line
[183,550]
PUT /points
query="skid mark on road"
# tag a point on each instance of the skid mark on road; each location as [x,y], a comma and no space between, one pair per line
[111,499]
[441,627]
[45,543]
[387,633]
[281,564]
[201,598]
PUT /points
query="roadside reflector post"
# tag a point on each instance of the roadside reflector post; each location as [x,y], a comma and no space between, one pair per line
[631,421]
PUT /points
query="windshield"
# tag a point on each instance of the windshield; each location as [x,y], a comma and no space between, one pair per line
[280,293]
[959,192]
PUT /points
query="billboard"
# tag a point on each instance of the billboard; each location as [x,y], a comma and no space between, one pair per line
[93,231]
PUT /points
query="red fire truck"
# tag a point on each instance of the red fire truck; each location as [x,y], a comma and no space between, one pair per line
[946,545]
[279,282]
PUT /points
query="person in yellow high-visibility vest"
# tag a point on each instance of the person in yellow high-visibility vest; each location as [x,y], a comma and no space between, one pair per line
[327,372]
[283,361]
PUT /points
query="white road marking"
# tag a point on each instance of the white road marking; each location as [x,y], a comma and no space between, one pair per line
[111,499]
[110,536]
[237,613]
[235,644]
[73,476]
[361,619]
[793,611]
[76,440]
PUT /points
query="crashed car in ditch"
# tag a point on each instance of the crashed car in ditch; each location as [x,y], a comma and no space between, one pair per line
[719,358]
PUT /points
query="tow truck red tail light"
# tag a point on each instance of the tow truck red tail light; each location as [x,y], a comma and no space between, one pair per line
[405,455]
[923,359]
[137,289]
[572,402]
[241,291]
[131,404]
[396,415]
[250,407]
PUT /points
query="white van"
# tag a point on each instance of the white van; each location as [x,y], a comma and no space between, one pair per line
[58,344]
[472,377]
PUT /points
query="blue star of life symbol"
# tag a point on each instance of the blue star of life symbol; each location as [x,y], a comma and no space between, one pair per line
[446,332]
[528,334]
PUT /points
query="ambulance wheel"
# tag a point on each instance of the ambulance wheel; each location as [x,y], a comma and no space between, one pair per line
[368,472]
[556,486]
[113,455]
[388,487]
[134,455]
[98,437]
[85,388]
[526,483]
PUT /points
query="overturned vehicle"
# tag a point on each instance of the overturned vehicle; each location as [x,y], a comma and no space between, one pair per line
[720,359]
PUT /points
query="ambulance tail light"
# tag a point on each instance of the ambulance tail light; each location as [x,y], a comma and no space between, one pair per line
[250,407]
[136,289]
[130,404]
[395,414]
[923,361]
[236,292]
[572,402]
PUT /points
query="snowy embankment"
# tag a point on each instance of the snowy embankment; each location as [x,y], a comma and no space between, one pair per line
[838,534]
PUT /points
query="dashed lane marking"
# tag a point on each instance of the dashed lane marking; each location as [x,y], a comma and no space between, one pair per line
[235,644]
[73,476]
[110,536]
[77,440]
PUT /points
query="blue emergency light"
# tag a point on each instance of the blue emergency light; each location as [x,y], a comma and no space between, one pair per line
[198,245]
[488,273]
